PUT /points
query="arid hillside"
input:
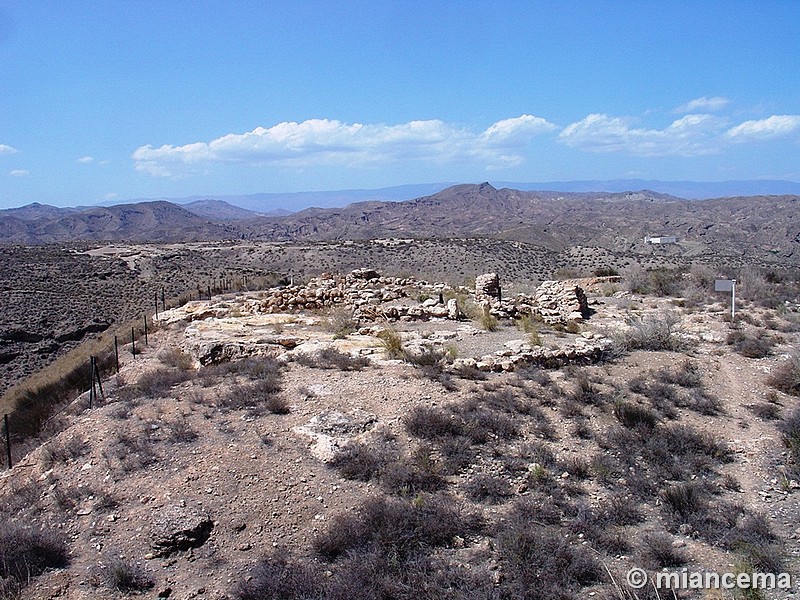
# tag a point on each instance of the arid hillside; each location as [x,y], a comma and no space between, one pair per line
[760,230]
[366,436]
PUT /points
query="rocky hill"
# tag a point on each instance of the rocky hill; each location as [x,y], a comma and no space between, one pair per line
[765,227]
[219,210]
[759,229]
[146,221]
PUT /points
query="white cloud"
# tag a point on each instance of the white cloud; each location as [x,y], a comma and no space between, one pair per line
[20,173]
[691,135]
[4,149]
[516,131]
[765,129]
[329,142]
[703,104]
[111,196]
[85,159]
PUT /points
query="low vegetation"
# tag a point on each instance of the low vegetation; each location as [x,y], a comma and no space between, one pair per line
[331,358]
[473,484]
[786,377]
[26,553]
[654,332]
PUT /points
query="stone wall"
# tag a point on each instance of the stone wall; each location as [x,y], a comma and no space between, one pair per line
[375,298]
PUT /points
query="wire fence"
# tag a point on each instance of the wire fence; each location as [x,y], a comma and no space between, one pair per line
[38,409]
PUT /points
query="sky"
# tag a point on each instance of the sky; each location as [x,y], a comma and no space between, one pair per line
[104,101]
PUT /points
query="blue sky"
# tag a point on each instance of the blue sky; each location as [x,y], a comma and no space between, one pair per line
[115,100]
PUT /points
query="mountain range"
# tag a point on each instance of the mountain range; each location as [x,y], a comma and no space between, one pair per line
[765,225]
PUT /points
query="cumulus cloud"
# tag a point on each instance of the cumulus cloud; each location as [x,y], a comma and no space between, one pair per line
[765,129]
[4,149]
[703,104]
[691,135]
[85,159]
[330,142]
[20,173]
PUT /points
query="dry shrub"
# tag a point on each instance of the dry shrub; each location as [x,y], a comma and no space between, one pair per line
[363,462]
[396,528]
[277,575]
[660,331]
[125,576]
[26,553]
[540,564]
[392,343]
[176,358]
[633,415]
[153,384]
[685,501]
[790,429]
[657,552]
[331,358]
[488,321]
[341,322]
[753,344]
[490,489]
[786,376]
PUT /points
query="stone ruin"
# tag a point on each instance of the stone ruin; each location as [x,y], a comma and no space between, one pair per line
[251,323]
[487,287]
[373,298]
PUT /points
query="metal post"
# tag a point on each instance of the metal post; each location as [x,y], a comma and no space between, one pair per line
[8,441]
[116,354]
[145,329]
[91,380]
[133,344]
[99,381]
[156,295]
[733,300]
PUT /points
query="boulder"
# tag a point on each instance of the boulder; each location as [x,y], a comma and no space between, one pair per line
[178,529]
[454,312]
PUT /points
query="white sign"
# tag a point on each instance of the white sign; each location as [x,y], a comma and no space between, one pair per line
[727,285]
[723,285]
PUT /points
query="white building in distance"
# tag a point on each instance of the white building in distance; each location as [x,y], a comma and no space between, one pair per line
[662,239]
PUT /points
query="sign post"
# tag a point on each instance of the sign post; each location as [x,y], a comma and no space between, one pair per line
[727,285]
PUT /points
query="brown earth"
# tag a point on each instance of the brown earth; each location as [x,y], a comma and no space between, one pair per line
[141,464]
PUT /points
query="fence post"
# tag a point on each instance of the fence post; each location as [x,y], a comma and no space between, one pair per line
[116,354]
[99,380]
[91,382]
[8,441]
[133,344]
[145,329]
[156,294]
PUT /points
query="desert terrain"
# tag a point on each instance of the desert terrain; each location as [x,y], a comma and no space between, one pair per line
[526,411]
[257,448]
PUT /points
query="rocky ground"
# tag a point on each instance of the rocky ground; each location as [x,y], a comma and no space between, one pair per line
[410,453]
[56,297]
